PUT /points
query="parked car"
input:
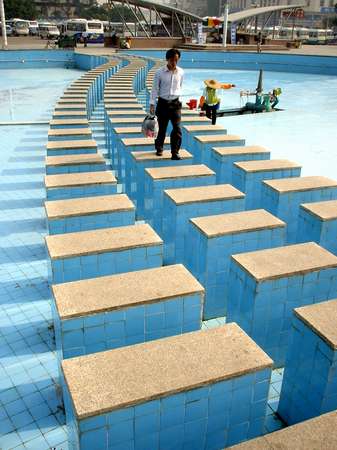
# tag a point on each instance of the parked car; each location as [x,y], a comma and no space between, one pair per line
[20,27]
[9,30]
[48,31]
[33,28]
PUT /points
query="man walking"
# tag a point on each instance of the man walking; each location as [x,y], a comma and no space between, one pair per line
[167,84]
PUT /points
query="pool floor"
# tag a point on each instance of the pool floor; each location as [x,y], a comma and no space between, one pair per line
[31,415]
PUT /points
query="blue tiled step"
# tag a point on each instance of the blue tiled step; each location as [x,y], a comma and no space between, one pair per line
[89,213]
[118,310]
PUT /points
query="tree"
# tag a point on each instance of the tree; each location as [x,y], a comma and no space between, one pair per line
[23,9]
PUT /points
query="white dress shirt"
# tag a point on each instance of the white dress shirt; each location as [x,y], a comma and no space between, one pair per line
[167,84]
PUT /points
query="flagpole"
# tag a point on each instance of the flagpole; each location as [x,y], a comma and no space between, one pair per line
[225,24]
[3,25]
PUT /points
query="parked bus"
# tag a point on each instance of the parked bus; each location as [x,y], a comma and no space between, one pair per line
[20,27]
[79,28]
[319,36]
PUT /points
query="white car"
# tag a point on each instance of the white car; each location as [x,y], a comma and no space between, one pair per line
[48,31]
[33,28]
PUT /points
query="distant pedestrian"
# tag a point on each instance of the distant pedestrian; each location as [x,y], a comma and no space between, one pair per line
[167,85]
[210,102]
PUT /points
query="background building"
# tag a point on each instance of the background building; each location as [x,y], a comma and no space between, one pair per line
[60,8]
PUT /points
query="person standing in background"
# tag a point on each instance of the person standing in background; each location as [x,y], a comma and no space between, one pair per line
[166,89]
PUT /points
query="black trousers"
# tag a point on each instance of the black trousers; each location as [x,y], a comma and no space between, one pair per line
[167,111]
[211,112]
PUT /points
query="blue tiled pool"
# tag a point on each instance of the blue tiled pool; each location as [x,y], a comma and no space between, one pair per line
[304,132]
[30,409]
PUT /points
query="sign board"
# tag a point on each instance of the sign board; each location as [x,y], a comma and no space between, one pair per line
[233,34]
[327,9]
[200,37]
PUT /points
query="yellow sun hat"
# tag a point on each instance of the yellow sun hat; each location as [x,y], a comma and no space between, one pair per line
[213,84]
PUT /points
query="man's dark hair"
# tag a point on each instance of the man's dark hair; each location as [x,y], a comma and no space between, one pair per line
[172,52]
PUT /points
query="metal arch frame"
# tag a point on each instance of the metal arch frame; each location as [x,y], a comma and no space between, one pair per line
[179,20]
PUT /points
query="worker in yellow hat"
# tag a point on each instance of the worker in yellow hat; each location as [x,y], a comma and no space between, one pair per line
[210,101]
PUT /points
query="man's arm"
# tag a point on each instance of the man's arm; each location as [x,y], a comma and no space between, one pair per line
[155,91]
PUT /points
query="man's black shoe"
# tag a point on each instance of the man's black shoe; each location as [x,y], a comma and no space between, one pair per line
[159,153]
[176,157]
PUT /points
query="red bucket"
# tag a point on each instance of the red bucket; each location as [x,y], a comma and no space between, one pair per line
[192,104]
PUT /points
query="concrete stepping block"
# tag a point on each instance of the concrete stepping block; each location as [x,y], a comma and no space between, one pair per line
[189,131]
[125,309]
[127,113]
[135,393]
[71,107]
[121,106]
[68,123]
[182,204]
[212,240]
[84,184]
[203,144]
[70,114]
[157,179]
[223,158]
[89,213]
[107,251]
[319,432]
[318,222]
[91,162]
[134,175]
[112,98]
[273,282]
[248,176]
[283,197]
[71,147]
[67,134]
[124,147]
[71,100]
[314,345]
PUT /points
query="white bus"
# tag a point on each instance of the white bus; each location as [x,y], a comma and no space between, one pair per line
[20,27]
[319,36]
[79,28]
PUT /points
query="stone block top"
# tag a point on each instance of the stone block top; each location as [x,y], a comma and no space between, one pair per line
[103,240]
[188,171]
[127,120]
[287,261]
[322,319]
[203,194]
[70,113]
[265,165]
[130,130]
[103,294]
[67,100]
[196,119]
[105,381]
[79,179]
[76,96]
[115,105]
[69,132]
[70,106]
[60,209]
[66,160]
[319,433]
[323,210]
[151,156]
[204,127]
[69,122]
[300,184]
[125,112]
[244,150]
[238,222]
[120,97]
[122,90]
[77,89]
[217,138]
[57,145]
[129,142]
